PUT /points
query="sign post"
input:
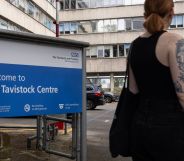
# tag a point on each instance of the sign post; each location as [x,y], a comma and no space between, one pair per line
[42,75]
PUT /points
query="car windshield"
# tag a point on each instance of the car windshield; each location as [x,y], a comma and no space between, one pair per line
[100,88]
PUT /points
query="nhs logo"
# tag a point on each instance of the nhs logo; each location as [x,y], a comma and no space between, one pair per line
[61,106]
[75,54]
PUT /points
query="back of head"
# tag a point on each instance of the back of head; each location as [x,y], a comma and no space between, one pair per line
[155,11]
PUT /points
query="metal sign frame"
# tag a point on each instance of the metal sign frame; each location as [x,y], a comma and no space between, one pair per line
[80,117]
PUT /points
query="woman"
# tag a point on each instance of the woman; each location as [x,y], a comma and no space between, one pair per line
[156,72]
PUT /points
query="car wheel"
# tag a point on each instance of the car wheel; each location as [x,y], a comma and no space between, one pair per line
[108,99]
[90,105]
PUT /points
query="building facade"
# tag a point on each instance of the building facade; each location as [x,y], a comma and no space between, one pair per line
[34,16]
[109,26]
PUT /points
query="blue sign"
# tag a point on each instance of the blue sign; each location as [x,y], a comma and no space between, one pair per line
[36,86]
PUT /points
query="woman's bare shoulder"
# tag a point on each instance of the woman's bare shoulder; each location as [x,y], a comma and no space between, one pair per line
[172,37]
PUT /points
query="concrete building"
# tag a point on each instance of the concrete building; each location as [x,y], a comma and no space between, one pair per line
[34,16]
[109,26]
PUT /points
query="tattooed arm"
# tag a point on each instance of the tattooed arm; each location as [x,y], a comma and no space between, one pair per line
[176,64]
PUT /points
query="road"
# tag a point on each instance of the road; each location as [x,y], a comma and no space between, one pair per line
[98,124]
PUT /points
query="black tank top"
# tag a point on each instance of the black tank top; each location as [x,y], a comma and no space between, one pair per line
[153,78]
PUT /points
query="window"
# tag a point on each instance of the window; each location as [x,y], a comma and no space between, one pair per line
[115,52]
[137,23]
[93,3]
[100,50]
[100,26]
[88,52]
[107,51]
[82,3]
[7,25]
[138,1]
[53,2]
[105,83]
[120,2]
[113,2]
[37,14]
[121,25]
[114,25]
[74,28]
[85,27]
[107,25]
[126,49]
[61,4]
[14,2]
[93,52]
[94,25]
[12,28]
[128,23]
[67,28]
[127,2]
[107,3]
[99,3]
[67,4]
[179,21]
[30,9]
[118,82]
[133,2]
[73,4]
[121,50]
[173,23]
[22,4]
[3,24]
[42,18]
[49,23]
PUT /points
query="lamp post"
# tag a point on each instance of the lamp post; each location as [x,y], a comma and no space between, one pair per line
[57,18]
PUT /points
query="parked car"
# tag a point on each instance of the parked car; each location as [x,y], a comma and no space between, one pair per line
[110,97]
[95,96]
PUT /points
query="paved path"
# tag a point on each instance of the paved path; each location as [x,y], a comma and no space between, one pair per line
[98,124]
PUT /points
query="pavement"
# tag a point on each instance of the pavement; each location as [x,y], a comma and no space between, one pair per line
[13,142]
[15,146]
[98,124]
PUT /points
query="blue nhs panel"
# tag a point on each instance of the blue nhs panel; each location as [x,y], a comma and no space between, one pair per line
[27,90]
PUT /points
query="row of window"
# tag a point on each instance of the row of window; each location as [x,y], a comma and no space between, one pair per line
[95,26]
[7,25]
[108,51]
[177,21]
[105,82]
[111,25]
[28,7]
[78,4]
[81,4]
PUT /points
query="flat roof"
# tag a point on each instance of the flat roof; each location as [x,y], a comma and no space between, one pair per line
[23,36]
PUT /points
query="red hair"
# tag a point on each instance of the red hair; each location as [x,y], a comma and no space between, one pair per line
[154,12]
